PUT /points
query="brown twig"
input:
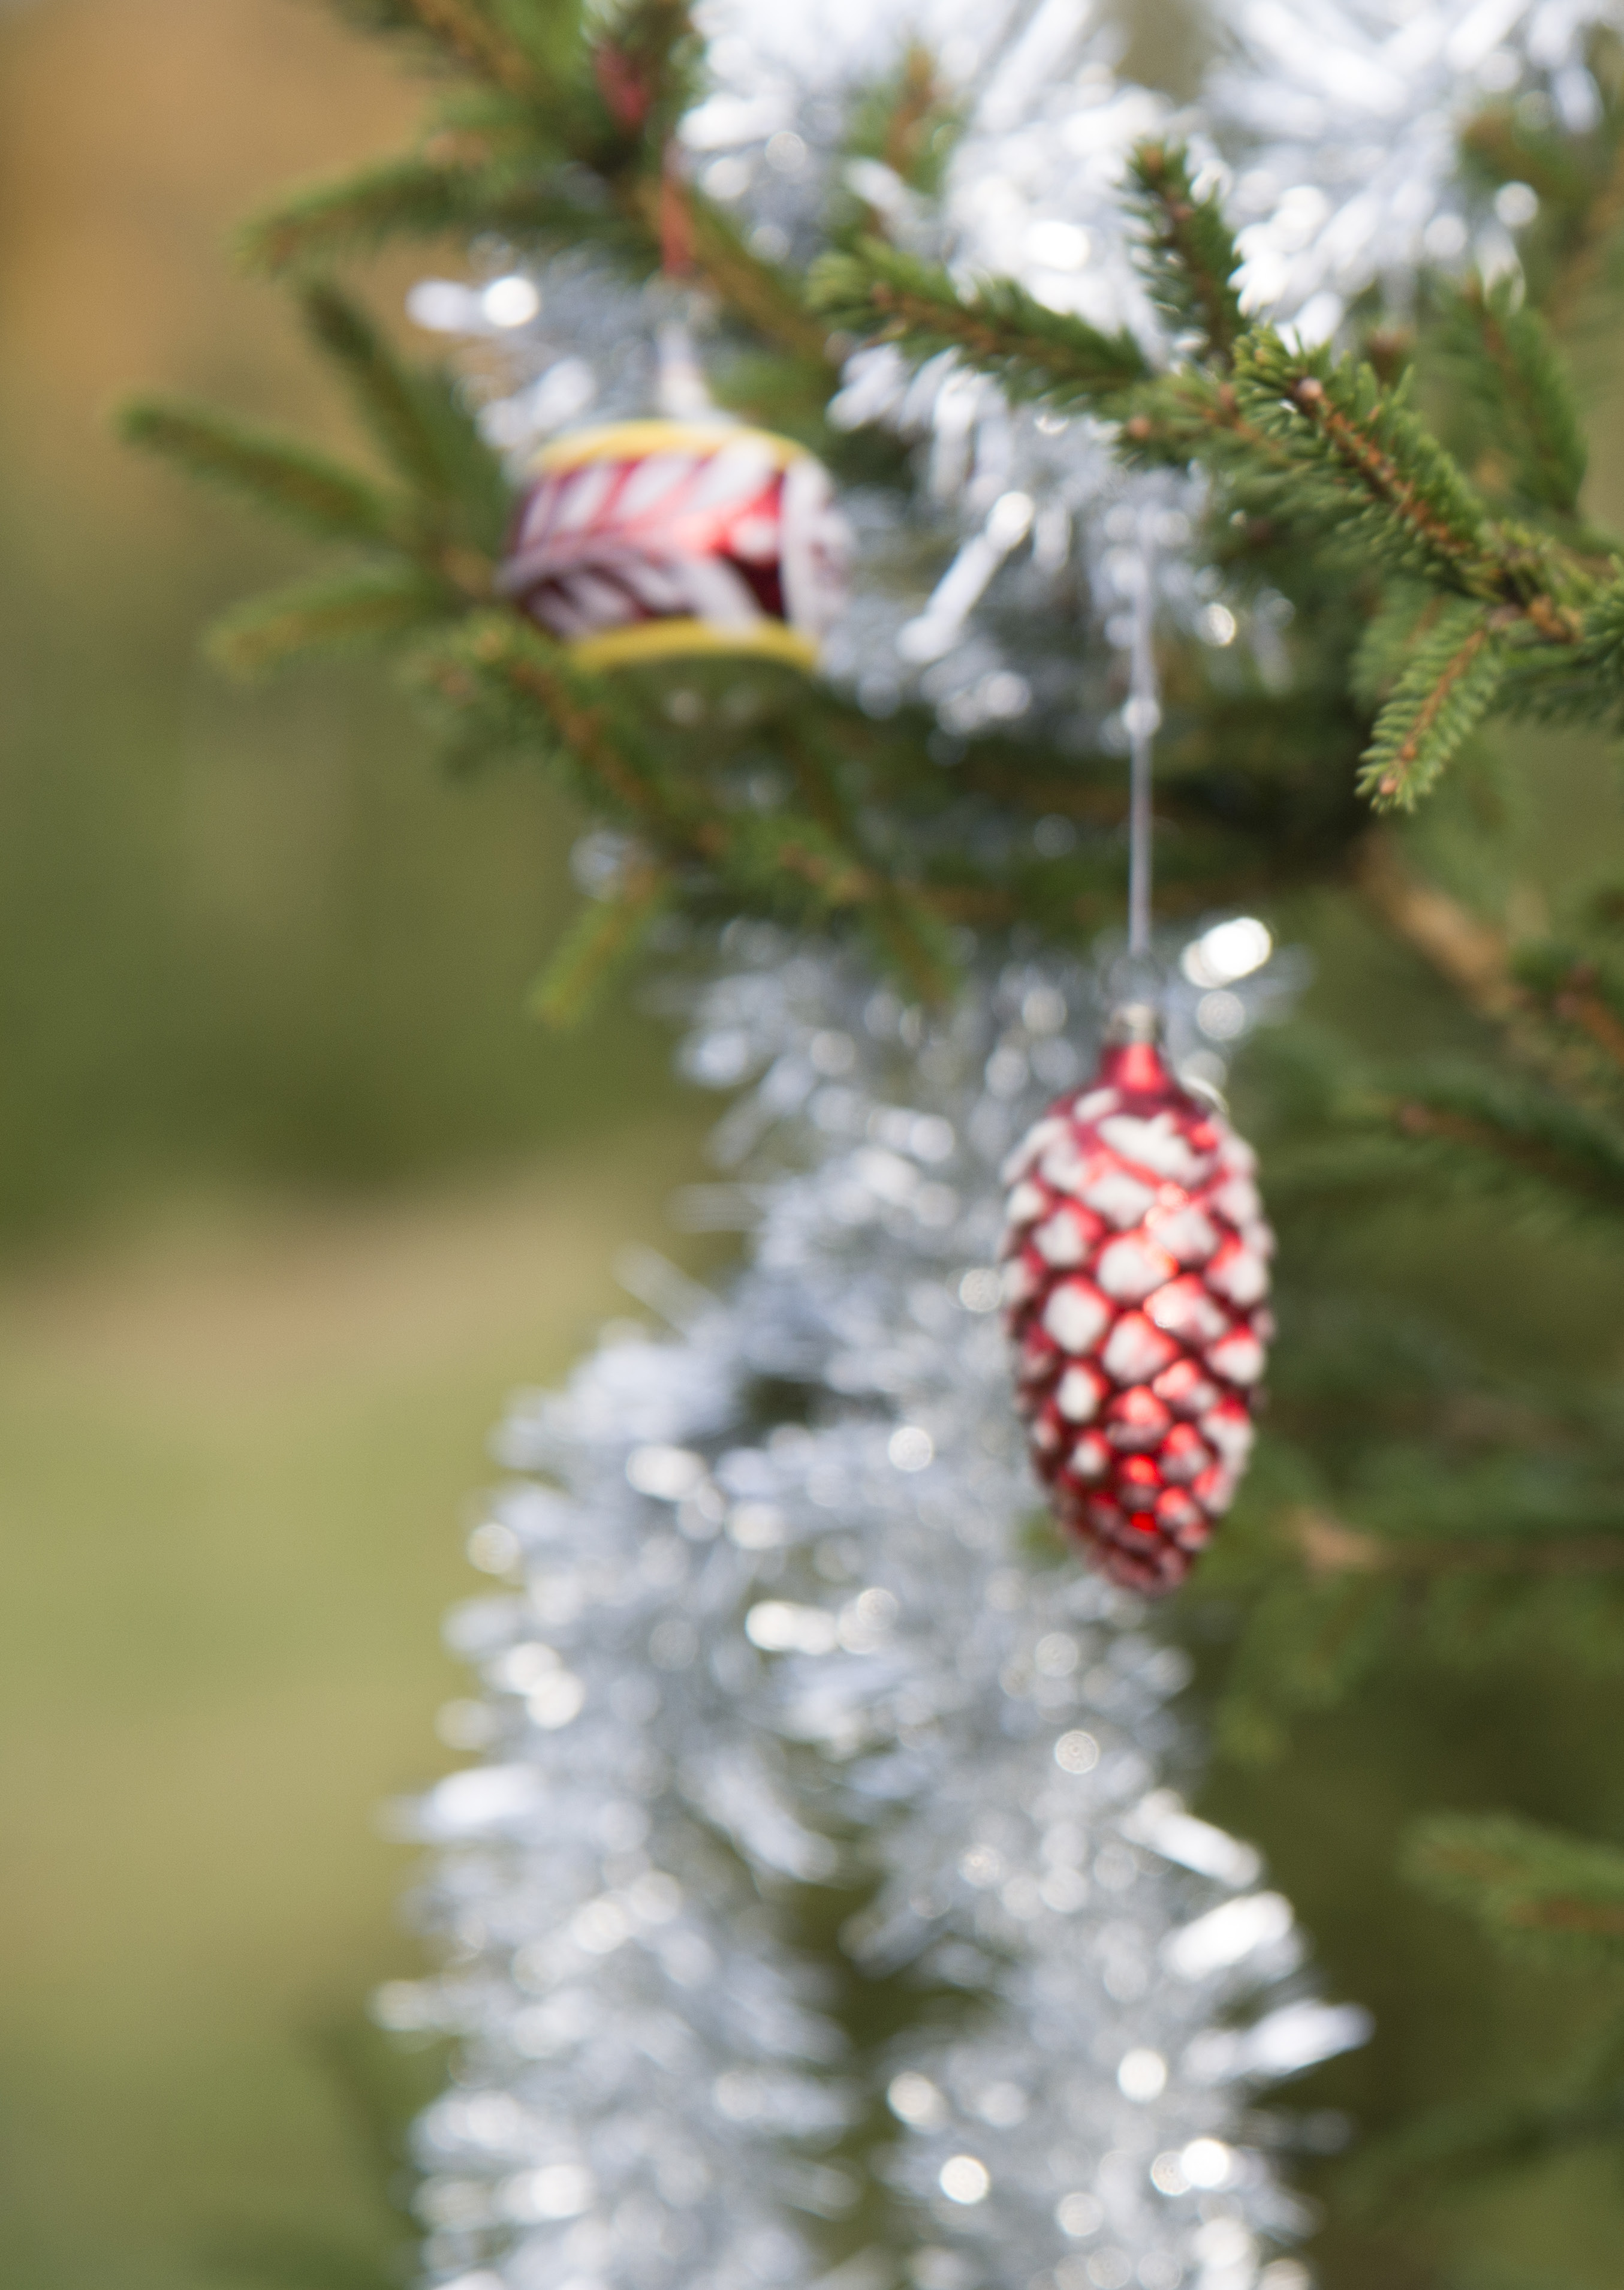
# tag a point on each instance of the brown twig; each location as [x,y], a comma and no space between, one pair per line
[1589,1012]
[1476,961]
[1177,214]
[751,288]
[1381,473]
[1214,409]
[476,44]
[1580,271]
[1329,1547]
[1475,958]
[580,725]
[920,96]
[1427,713]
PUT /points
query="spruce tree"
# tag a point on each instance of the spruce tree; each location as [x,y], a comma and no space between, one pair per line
[1437,1494]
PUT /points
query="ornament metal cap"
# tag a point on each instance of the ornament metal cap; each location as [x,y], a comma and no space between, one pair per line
[1133,1022]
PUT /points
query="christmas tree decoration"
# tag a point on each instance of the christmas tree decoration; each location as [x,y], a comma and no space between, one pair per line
[804,1630]
[646,2086]
[1014,501]
[663,540]
[1347,119]
[780,1610]
[1136,1257]
[1136,1266]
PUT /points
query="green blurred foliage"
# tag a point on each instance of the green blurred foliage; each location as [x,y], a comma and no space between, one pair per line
[247,938]
[1505,1694]
[292,1190]
[235,1472]
[256,939]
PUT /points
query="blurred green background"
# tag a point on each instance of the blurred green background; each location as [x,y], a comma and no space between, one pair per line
[291,1192]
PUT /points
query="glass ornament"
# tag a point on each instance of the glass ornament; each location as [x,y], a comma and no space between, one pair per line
[659,539]
[1136,1269]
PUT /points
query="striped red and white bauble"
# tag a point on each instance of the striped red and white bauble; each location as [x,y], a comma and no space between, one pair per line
[657,539]
[1136,1273]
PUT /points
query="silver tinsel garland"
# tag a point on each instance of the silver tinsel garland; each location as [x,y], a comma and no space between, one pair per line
[633,2087]
[777,1622]
[968,594]
[969,597]
[1343,120]
[1333,127]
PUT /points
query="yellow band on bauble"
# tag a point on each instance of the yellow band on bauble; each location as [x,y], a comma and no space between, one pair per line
[766,639]
[633,441]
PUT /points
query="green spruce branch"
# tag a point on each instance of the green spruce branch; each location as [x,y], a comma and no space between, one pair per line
[1534,1890]
[282,476]
[1448,684]
[332,612]
[1540,1028]
[1329,1549]
[609,933]
[498,679]
[1499,352]
[456,189]
[497,676]
[1367,461]
[1455,2147]
[564,138]
[1598,664]
[1543,1148]
[1321,448]
[878,293]
[1193,258]
[419,418]
[523,48]
[429,547]
[909,123]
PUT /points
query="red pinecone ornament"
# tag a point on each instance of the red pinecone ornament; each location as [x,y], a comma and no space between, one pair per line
[1136,1266]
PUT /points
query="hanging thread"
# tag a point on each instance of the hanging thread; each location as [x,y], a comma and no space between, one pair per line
[1141,716]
